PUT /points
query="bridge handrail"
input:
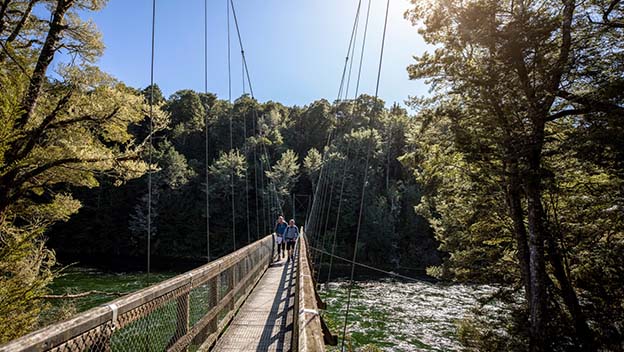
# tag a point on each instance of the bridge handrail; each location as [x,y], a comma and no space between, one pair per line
[161,317]
[308,326]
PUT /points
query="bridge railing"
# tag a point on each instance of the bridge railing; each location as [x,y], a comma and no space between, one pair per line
[307,323]
[186,312]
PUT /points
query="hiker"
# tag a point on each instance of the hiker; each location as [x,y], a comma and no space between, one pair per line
[280,227]
[290,236]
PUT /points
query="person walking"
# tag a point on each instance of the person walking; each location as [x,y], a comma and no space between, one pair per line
[280,227]
[290,236]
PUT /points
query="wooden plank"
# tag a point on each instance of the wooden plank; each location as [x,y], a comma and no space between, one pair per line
[264,321]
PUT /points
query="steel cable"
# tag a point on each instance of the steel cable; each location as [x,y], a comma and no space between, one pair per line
[151,145]
[230,108]
[357,86]
[389,273]
[207,136]
[359,223]
[344,70]
[272,196]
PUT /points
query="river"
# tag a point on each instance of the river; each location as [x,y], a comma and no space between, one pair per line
[396,316]
[385,314]
[106,285]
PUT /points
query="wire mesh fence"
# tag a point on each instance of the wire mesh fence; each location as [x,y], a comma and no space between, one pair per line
[184,313]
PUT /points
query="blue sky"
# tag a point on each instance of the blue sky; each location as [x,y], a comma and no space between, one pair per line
[295,49]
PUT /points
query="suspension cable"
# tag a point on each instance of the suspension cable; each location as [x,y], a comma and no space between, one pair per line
[319,215]
[151,145]
[351,55]
[389,273]
[340,200]
[312,226]
[327,195]
[254,127]
[207,137]
[359,223]
[329,205]
[246,150]
[315,204]
[274,195]
[313,218]
[342,186]
[357,86]
[243,76]
[350,52]
[319,207]
[240,41]
[246,178]
[344,70]
[381,54]
[255,147]
[355,95]
[314,211]
[265,214]
[229,59]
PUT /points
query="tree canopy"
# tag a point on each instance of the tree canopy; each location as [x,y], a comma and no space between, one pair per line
[519,86]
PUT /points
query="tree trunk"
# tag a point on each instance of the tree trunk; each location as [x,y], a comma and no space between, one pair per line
[45,58]
[514,203]
[536,232]
[18,27]
[570,298]
[3,8]
[388,162]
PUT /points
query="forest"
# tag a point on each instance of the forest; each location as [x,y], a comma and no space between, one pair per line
[112,220]
[510,172]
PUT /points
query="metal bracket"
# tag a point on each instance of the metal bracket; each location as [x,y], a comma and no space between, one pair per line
[115,311]
[309,311]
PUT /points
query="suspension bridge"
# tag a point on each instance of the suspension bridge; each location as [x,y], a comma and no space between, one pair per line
[248,300]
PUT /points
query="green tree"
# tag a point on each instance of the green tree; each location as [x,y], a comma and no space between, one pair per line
[57,132]
[308,127]
[173,174]
[284,174]
[506,74]
[312,164]
[187,112]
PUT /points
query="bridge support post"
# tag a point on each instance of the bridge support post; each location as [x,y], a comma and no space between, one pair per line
[208,334]
[231,280]
[213,300]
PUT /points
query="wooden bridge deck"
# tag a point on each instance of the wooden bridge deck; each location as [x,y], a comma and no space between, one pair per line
[265,321]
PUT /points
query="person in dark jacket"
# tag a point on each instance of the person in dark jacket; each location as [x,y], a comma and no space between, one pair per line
[290,236]
[280,227]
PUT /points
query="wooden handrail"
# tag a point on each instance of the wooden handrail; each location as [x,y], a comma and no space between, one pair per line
[308,327]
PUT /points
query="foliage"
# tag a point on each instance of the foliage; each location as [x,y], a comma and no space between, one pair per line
[27,269]
[312,164]
[57,133]
[285,173]
[178,213]
[524,93]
